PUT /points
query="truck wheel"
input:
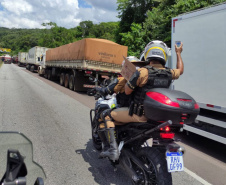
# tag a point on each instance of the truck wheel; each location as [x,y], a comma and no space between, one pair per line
[71,82]
[62,75]
[32,68]
[66,80]
[46,74]
[28,67]
[49,75]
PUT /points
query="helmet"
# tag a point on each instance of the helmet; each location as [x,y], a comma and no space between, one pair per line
[156,50]
[142,56]
[131,59]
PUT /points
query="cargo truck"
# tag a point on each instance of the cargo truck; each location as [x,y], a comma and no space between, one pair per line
[72,64]
[203,34]
[36,58]
[22,58]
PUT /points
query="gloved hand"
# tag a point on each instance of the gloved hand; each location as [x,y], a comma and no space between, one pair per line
[102,90]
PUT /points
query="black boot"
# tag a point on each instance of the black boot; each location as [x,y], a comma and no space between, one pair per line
[112,153]
[105,144]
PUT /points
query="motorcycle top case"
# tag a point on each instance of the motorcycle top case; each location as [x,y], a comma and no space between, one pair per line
[161,104]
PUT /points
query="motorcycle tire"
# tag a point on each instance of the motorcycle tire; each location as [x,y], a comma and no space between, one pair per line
[95,137]
[156,162]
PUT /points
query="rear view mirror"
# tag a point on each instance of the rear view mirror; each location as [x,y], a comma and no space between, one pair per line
[92,79]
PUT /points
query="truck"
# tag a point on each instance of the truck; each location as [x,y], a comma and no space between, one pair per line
[73,63]
[22,58]
[36,58]
[203,34]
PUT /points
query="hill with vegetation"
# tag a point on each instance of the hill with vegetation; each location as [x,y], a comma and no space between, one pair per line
[140,22]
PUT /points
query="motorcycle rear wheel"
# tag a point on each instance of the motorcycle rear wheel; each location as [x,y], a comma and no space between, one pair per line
[95,137]
[156,163]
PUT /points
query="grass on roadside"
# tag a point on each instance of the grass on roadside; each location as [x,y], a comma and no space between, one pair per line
[1,63]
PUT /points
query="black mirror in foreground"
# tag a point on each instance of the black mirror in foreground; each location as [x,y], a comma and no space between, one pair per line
[16,151]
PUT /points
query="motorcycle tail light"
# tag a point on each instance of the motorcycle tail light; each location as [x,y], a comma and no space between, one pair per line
[196,106]
[161,98]
[88,72]
[186,100]
[167,135]
[167,129]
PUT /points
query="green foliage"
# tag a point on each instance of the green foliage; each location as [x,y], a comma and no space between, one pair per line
[104,30]
[55,36]
[86,27]
[134,40]
[140,22]
[19,39]
[158,22]
[132,11]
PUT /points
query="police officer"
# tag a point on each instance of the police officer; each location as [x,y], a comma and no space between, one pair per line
[118,86]
[153,75]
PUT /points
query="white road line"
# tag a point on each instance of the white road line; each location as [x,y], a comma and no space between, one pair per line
[195,176]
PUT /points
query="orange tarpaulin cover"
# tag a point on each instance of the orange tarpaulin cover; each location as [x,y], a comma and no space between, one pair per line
[89,49]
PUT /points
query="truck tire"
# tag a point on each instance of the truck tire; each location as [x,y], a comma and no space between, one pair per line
[32,68]
[46,73]
[66,80]
[71,82]
[28,67]
[79,81]
[62,76]
[49,75]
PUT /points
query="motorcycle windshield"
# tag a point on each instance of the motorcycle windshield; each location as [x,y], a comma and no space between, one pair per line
[18,141]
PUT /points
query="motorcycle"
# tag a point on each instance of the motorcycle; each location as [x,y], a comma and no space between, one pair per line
[16,150]
[148,151]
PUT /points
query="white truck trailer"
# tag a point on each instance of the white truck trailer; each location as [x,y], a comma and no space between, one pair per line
[203,34]
[36,58]
[22,58]
[73,63]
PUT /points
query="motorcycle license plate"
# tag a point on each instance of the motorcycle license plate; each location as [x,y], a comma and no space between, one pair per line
[175,161]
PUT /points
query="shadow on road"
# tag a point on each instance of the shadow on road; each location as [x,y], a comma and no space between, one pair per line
[101,169]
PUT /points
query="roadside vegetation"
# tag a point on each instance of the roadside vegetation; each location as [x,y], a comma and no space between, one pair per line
[140,22]
[1,63]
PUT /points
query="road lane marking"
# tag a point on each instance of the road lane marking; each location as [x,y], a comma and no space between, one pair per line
[195,176]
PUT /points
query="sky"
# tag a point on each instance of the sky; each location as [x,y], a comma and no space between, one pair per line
[65,13]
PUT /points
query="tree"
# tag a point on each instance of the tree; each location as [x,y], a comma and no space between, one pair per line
[134,40]
[133,11]
[158,22]
[86,26]
[104,30]
[55,36]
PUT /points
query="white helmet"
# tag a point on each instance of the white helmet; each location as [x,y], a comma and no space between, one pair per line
[142,56]
[131,59]
[156,50]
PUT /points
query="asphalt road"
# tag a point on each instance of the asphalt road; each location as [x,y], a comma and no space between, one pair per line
[56,120]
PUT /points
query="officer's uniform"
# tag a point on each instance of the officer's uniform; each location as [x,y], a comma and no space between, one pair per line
[120,87]
[121,115]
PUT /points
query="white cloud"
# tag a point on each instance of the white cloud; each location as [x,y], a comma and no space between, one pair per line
[17,6]
[109,5]
[66,13]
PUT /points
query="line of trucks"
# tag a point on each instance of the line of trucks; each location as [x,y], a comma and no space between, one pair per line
[203,34]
